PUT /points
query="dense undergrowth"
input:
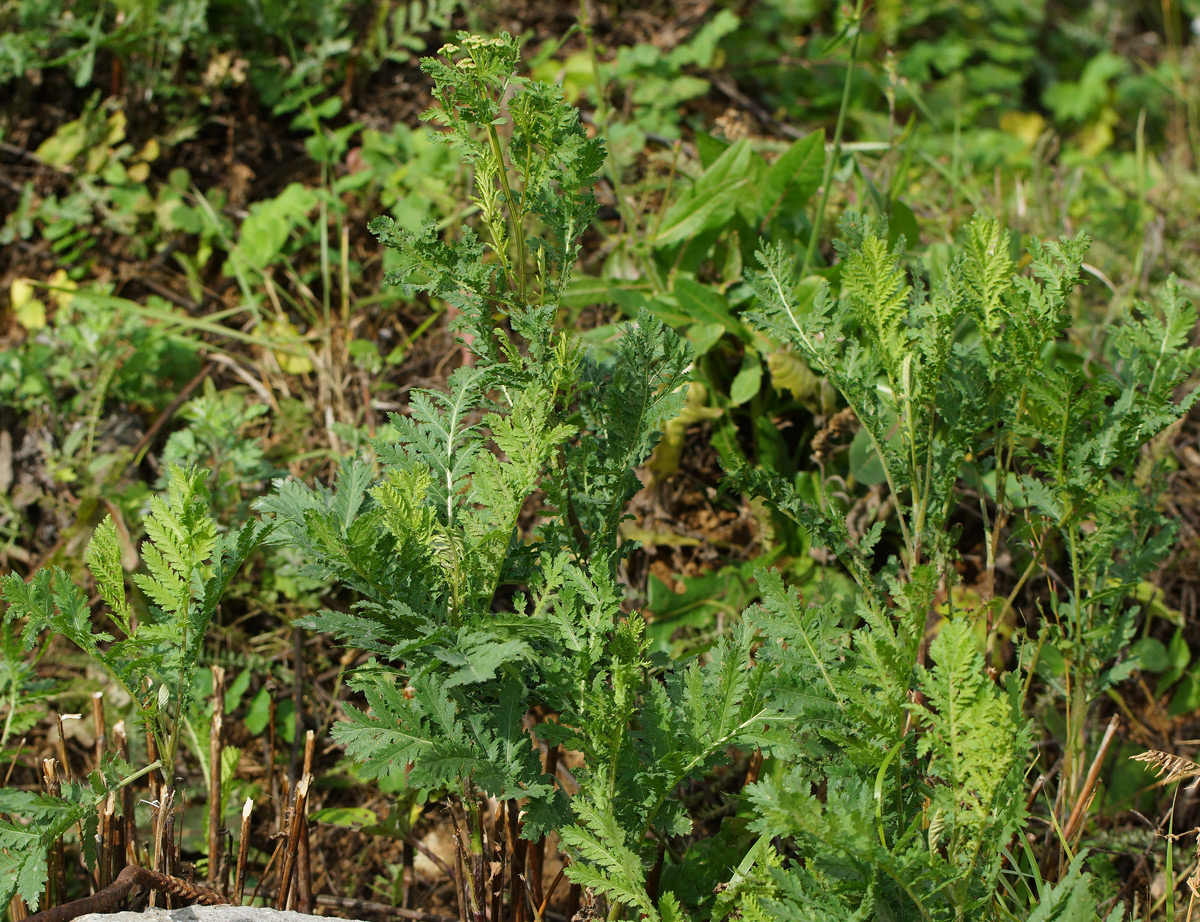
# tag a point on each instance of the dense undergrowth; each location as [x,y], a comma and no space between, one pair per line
[779,535]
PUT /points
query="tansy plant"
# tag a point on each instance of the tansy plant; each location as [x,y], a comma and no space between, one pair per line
[484,559]
[480,551]
[968,391]
[473,629]
[149,646]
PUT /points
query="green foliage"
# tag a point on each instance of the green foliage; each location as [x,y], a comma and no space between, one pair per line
[431,552]
[153,41]
[918,756]
[22,693]
[684,264]
[973,63]
[153,657]
[189,566]
[475,549]
[965,365]
[35,821]
[23,847]
[918,801]
[218,435]
[959,385]
[1073,898]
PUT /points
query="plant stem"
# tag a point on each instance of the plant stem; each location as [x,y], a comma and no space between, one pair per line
[515,215]
[831,163]
[628,218]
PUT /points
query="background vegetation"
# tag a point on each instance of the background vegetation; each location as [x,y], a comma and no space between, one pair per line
[193,308]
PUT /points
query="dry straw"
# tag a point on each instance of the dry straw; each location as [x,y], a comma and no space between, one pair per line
[1173,767]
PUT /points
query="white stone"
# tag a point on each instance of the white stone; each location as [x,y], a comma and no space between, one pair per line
[203,914]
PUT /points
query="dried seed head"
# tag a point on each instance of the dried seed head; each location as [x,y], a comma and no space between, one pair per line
[1175,768]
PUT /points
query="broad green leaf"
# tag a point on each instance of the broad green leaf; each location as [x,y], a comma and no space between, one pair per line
[713,198]
[709,148]
[352,817]
[1178,657]
[748,380]
[266,229]
[704,304]
[902,222]
[703,336]
[794,177]
[667,309]
[1150,654]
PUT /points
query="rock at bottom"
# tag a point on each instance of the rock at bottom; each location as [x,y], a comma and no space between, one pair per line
[203,914]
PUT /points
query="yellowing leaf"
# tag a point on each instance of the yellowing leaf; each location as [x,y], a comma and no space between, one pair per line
[62,299]
[116,128]
[29,311]
[97,156]
[1097,136]
[150,151]
[285,331]
[1027,126]
[62,147]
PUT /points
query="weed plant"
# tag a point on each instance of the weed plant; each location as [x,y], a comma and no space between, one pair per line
[153,659]
[897,767]
[869,757]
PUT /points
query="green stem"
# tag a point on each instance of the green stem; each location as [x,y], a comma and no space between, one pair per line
[12,709]
[515,215]
[1002,468]
[831,163]
[610,164]
[891,482]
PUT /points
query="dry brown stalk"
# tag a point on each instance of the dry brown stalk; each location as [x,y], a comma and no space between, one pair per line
[497,860]
[279,847]
[299,815]
[432,856]
[537,850]
[239,884]
[754,768]
[109,833]
[1075,822]
[304,894]
[460,877]
[163,839]
[58,865]
[16,758]
[215,747]
[172,853]
[303,889]
[541,910]
[1193,883]
[128,835]
[574,896]
[367,906]
[518,885]
[62,746]
[310,741]
[17,910]
[101,729]
[152,756]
